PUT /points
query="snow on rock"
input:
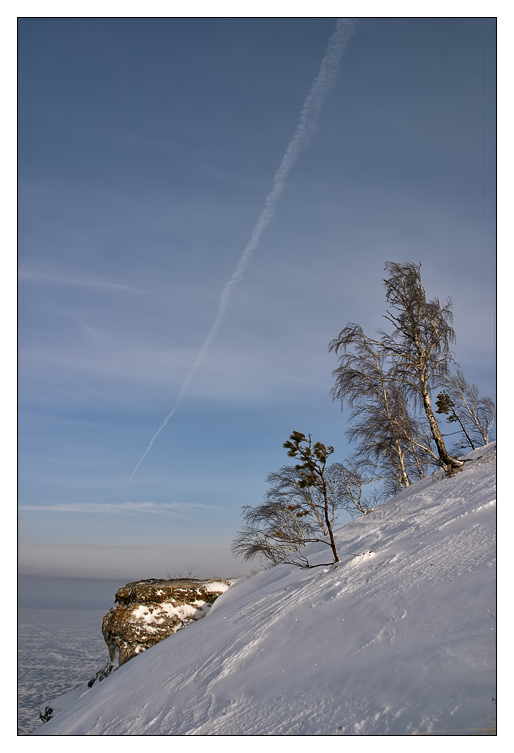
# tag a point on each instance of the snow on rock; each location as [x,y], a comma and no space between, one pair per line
[399,639]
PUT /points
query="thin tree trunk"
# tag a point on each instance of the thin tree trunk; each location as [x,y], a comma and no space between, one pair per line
[444,455]
[327,519]
[403,471]
[470,441]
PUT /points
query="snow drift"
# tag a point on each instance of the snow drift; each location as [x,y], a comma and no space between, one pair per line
[399,639]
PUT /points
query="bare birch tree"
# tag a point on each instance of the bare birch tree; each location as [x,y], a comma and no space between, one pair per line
[419,345]
[388,436]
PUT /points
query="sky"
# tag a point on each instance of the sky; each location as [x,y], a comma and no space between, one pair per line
[147,148]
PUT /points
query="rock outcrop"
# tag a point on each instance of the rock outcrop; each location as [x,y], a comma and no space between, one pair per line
[144,613]
[147,611]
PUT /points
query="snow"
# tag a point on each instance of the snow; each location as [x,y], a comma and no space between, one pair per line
[399,639]
[217,586]
[147,615]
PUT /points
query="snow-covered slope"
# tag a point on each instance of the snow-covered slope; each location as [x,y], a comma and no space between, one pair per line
[397,640]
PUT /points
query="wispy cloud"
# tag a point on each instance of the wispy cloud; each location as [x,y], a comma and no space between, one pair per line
[25,274]
[108,508]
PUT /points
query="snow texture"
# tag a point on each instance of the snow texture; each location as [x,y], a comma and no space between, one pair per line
[399,639]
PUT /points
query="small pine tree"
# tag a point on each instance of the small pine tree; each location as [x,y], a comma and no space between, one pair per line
[446,407]
[463,404]
[312,473]
[301,506]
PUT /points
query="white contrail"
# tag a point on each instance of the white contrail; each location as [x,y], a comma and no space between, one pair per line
[302,136]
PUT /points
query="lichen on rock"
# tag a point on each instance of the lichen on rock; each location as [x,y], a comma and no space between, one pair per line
[147,611]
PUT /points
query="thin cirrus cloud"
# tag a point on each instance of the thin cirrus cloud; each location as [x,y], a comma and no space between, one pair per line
[127,508]
[60,279]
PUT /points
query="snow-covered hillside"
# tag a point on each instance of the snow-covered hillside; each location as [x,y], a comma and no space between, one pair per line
[397,640]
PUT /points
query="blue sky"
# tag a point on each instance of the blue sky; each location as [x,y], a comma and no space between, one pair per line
[147,148]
